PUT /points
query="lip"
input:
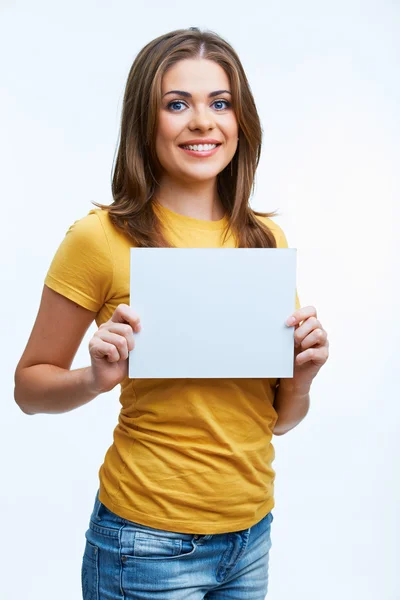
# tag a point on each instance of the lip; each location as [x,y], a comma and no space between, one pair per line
[200,141]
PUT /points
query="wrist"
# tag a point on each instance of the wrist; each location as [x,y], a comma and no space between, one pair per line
[90,383]
[290,385]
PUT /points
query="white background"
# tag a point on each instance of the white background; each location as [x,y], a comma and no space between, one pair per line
[325,76]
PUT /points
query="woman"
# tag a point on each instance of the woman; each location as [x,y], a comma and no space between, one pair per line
[184,503]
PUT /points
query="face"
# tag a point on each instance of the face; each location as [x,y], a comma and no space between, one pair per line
[199,111]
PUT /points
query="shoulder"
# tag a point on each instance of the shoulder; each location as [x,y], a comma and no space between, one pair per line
[93,230]
[82,268]
[277,231]
[85,242]
[94,223]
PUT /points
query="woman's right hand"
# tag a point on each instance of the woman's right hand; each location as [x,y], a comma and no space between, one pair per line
[109,349]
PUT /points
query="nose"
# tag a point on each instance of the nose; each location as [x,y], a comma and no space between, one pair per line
[202,119]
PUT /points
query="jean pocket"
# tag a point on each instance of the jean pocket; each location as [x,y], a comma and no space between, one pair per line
[90,572]
[149,546]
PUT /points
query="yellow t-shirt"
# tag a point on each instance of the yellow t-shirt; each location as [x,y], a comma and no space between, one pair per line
[189,455]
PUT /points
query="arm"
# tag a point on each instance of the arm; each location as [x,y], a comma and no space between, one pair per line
[291,404]
[43,381]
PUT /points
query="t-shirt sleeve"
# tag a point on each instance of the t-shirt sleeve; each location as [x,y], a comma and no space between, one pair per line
[82,267]
[281,242]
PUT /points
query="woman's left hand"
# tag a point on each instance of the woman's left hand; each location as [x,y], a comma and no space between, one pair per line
[311,346]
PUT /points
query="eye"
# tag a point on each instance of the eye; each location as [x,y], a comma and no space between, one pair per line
[169,106]
[228,104]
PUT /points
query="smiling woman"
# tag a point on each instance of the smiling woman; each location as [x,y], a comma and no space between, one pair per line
[188,88]
[186,489]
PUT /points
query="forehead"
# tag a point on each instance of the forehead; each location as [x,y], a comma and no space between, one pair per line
[195,74]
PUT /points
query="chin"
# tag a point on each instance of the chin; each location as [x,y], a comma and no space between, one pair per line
[204,171]
[201,176]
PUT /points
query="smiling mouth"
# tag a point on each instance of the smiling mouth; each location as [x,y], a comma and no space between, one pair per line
[200,147]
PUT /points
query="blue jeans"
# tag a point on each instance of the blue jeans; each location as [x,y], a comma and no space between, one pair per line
[124,561]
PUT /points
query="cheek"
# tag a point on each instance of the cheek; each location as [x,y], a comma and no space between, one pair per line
[231,130]
[234,127]
[166,136]
[168,128]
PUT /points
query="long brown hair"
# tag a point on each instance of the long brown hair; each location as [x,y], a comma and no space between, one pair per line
[134,179]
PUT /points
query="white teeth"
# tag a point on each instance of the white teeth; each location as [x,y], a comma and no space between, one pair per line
[201,147]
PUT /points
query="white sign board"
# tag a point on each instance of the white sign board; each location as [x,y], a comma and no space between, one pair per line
[213,312]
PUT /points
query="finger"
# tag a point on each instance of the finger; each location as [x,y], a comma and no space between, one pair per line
[100,349]
[301,331]
[300,314]
[316,338]
[119,341]
[125,314]
[316,355]
[122,329]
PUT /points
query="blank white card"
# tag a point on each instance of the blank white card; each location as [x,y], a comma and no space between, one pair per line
[213,312]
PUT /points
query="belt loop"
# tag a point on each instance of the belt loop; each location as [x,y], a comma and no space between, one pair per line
[97,505]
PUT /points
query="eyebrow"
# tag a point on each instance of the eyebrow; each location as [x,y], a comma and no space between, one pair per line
[187,95]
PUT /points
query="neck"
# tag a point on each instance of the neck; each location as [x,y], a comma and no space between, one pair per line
[199,200]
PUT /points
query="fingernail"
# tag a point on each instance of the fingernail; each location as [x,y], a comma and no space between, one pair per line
[290,321]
